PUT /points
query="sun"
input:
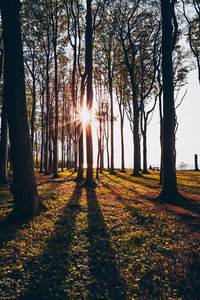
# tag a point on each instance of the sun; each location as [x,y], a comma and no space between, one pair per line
[85,115]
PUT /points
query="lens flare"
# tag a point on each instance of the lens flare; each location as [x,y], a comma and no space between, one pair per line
[85,116]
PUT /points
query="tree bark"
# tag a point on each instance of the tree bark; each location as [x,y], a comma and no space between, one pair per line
[89,67]
[46,156]
[136,139]
[34,102]
[23,188]
[80,133]
[3,145]
[55,138]
[107,141]
[42,134]
[112,171]
[169,190]
[144,134]
[122,138]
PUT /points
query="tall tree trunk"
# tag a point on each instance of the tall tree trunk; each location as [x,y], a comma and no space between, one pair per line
[74,101]
[136,139]
[3,145]
[42,135]
[46,156]
[161,137]
[98,156]
[102,156]
[122,138]
[55,138]
[169,190]
[34,102]
[80,133]
[24,190]
[51,138]
[63,130]
[107,140]
[36,149]
[89,67]
[112,171]
[144,134]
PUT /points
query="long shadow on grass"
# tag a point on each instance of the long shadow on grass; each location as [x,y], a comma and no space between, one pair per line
[118,196]
[186,203]
[137,180]
[190,205]
[50,270]
[107,282]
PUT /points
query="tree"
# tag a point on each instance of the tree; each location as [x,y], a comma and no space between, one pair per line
[109,48]
[128,20]
[122,93]
[88,68]
[169,190]
[73,17]
[55,13]
[91,25]
[24,190]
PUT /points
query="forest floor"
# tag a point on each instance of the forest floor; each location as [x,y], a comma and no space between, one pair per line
[112,242]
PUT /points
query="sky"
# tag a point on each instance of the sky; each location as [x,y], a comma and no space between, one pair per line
[187,138]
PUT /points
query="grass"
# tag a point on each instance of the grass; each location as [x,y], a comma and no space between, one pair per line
[112,242]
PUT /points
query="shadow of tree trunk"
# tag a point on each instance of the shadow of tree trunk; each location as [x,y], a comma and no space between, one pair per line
[107,282]
[49,271]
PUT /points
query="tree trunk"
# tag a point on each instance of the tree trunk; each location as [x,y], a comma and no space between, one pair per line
[169,190]
[196,162]
[112,171]
[107,140]
[34,103]
[74,101]
[63,131]
[23,188]
[89,67]
[161,136]
[3,145]
[46,156]
[98,156]
[51,137]
[55,138]
[42,137]
[122,139]
[80,133]
[36,150]
[136,139]
[145,171]
[102,156]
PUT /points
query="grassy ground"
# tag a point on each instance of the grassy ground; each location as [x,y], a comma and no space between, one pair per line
[112,242]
